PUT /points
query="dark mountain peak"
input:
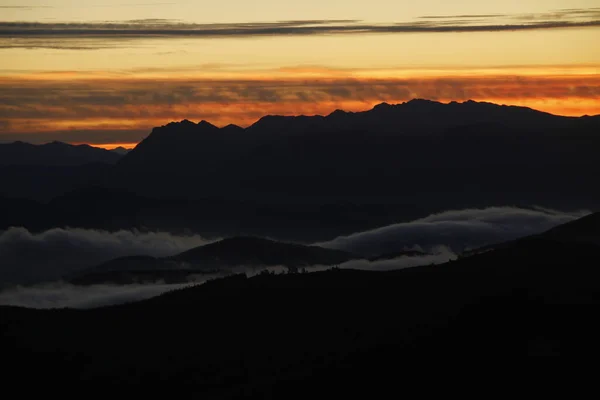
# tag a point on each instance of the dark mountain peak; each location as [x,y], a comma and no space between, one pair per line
[421,102]
[270,118]
[57,144]
[338,113]
[54,154]
[187,124]
[120,150]
[206,125]
[238,243]
[250,250]
[271,123]
[245,240]
[232,128]
[17,145]
[383,106]
[179,130]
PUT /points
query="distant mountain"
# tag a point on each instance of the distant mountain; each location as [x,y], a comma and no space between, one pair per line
[419,152]
[120,151]
[314,178]
[251,251]
[45,182]
[112,209]
[54,154]
[42,172]
[220,258]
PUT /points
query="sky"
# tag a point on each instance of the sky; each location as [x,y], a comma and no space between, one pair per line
[104,72]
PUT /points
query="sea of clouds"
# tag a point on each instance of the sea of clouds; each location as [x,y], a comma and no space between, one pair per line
[32,265]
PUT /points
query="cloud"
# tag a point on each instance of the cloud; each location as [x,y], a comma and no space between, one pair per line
[88,136]
[63,295]
[469,16]
[60,294]
[28,257]
[572,14]
[24,7]
[113,32]
[440,255]
[33,7]
[459,230]
[50,254]
[109,109]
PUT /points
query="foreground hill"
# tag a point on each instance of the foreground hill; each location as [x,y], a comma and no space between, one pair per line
[290,335]
[219,258]
[584,231]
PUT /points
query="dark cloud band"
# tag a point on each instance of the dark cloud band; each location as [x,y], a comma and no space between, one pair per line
[51,33]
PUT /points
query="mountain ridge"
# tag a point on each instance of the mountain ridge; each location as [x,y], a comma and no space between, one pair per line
[385,106]
[218,258]
[356,155]
[54,154]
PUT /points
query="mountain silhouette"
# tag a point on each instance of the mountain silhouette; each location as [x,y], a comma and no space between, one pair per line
[414,152]
[42,172]
[55,154]
[252,251]
[120,150]
[219,258]
[314,178]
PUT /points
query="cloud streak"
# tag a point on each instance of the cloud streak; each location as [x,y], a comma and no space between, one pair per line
[459,229]
[28,257]
[112,109]
[64,295]
[51,254]
[36,257]
[157,28]
[31,7]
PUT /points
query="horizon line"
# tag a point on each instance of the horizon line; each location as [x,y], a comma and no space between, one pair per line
[131,145]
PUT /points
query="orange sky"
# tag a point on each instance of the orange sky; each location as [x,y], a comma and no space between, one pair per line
[107,89]
[111,109]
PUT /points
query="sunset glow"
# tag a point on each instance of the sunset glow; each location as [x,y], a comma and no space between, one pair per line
[117,72]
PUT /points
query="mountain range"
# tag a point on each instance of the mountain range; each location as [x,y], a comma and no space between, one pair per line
[408,152]
[310,178]
[56,154]
[42,172]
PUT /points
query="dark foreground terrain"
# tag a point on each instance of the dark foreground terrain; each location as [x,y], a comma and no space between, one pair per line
[295,335]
